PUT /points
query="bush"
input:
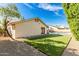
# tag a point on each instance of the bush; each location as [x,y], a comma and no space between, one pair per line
[72,14]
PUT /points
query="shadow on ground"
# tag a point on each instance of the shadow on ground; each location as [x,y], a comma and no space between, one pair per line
[42,36]
[17,48]
[71,52]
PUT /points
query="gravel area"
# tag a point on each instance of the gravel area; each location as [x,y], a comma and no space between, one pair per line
[9,47]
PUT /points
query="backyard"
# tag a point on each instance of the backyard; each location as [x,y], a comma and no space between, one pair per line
[52,45]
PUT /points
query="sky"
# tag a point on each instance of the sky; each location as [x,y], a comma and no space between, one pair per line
[49,13]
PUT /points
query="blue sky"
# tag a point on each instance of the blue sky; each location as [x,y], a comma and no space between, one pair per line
[51,14]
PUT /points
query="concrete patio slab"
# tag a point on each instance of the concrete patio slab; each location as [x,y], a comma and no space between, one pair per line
[72,49]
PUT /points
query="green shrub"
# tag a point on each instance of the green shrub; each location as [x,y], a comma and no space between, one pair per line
[72,14]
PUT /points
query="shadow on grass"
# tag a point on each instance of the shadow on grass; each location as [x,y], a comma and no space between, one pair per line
[48,41]
[47,44]
[43,36]
[59,42]
[47,48]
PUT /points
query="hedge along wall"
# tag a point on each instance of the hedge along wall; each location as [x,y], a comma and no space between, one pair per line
[72,13]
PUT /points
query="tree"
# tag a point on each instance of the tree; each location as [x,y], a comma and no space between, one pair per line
[72,14]
[8,12]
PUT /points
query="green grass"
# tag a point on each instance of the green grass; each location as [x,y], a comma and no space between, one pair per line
[52,45]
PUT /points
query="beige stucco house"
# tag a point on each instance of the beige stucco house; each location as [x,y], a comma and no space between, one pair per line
[27,28]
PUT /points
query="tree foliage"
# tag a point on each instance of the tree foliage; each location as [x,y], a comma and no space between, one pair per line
[72,14]
[6,12]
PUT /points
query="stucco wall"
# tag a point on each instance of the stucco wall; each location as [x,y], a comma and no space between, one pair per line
[28,28]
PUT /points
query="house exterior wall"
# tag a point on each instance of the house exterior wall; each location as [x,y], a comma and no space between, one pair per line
[29,28]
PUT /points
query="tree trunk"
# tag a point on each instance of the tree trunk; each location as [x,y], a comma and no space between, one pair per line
[7,29]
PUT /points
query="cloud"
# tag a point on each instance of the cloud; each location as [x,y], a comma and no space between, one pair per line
[49,7]
[28,5]
[56,13]
[3,5]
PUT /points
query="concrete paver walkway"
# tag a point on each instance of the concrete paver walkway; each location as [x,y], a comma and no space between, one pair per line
[72,49]
[17,48]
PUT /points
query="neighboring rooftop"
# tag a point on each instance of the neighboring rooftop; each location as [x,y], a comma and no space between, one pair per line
[60,27]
